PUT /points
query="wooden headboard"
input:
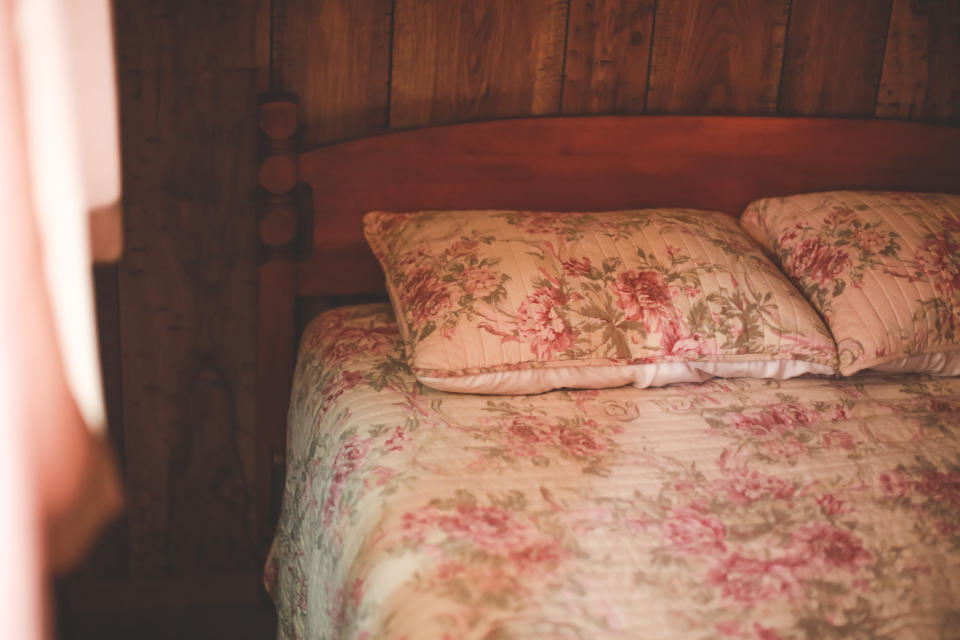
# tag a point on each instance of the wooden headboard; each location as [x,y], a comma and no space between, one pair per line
[313,199]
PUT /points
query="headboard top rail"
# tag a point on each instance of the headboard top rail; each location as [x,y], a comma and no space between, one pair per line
[601,163]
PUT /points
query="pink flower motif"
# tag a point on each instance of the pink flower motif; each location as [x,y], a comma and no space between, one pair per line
[765,633]
[462,248]
[693,530]
[939,260]
[578,443]
[677,341]
[539,321]
[749,581]
[944,487]
[534,557]
[643,296]
[838,440]
[870,240]
[545,224]
[746,487]
[349,457]
[896,484]
[492,529]
[425,296]
[830,505]
[728,628]
[830,547]
[479,282]
[777,418]
[818,262]
[355,340]
[784,449]
[575,268]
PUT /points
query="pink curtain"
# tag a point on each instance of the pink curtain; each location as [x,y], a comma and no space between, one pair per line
[58,483]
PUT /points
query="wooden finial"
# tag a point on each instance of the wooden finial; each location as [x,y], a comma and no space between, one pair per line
[278,174]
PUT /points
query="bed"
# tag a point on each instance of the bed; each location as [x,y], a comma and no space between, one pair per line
[817,506]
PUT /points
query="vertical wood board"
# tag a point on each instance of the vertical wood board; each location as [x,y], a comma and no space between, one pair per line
[833,57]
[717,56]
[607,56]
[188,87]
[921,68]
[461,61]
[335,54]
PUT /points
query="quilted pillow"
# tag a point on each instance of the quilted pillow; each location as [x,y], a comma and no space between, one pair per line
[882,268]
[520,302]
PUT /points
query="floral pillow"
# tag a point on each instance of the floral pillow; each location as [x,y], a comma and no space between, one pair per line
[521,302]
[882,268]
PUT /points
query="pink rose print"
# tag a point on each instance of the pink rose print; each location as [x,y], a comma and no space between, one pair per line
[784,449]
[870,240]
[944,487]
[643,296]
[478,282]
[746,487]
[939,260]
[579,443]
[356,340]
[749,581]
[778,418]
[765,633]
[528,434]
[676,340]
[425,295]
[540,322]
[830,547]
[575,268]
[693,530]
[830,505]
[347,461]
[838,440]
[462,248]
[817,261]
[491,529]
[554,224]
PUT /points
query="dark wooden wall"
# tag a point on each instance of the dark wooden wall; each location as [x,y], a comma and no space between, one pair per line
[179,312]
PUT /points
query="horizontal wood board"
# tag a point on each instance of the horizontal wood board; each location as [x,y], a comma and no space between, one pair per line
[599,164]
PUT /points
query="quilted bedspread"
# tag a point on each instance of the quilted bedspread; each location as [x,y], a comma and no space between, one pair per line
[809,508]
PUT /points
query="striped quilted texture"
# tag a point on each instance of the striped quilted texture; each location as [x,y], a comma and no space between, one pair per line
[487,291]
[882,268]
[804,508]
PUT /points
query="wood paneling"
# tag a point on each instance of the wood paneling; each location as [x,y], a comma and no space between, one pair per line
[608,55]
[458,61]
[717,56]
[336,53]
[833,57]
[189,78]
[921,68]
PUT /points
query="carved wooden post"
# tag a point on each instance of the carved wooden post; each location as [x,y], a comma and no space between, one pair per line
[277,227]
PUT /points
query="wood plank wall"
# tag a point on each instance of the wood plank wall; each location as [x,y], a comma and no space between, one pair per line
[180,309]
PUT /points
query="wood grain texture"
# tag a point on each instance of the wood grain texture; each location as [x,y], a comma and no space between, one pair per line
[608,55]
[459,61]
[335,54]
[602,163]
[717,56]
[833,57]
[921,68]
[189,78]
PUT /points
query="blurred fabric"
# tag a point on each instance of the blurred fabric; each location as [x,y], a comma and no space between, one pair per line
[59,162]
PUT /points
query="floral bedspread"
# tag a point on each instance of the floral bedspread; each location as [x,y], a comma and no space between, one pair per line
[809,508]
